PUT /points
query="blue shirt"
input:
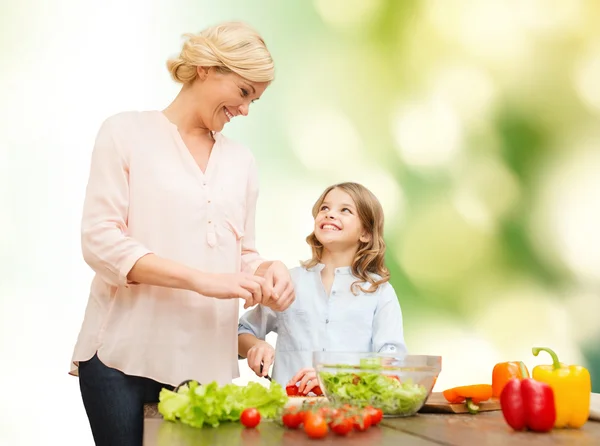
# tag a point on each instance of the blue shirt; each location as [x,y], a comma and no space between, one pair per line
[342,321]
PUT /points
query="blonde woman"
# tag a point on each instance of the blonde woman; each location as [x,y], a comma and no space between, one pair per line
[344,299]
[168,228]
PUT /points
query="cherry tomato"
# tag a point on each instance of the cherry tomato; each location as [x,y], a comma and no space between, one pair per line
[329,413]
[376,415]
[292,419]
[315,425]
[362,421]
[342,425]
[291,390]
[250,417]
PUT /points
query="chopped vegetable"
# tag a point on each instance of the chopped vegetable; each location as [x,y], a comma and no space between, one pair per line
[291,390]
[197,405]
[472,395]
[374,389]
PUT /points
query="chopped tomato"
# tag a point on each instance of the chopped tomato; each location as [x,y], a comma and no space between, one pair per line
[315,425]
[317,391]
[291,390]
[250,417]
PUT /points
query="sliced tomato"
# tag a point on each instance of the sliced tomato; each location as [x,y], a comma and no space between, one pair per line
[317,391]
[291,390]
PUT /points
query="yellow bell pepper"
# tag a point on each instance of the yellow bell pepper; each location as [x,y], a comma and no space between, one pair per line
[572,387]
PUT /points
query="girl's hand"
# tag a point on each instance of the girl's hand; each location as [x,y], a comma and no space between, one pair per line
[307,379]
[264,353]
[278,278]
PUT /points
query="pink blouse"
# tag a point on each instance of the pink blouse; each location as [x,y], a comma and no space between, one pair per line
[146,194]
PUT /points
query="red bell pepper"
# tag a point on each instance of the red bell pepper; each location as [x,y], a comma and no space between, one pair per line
[528,404]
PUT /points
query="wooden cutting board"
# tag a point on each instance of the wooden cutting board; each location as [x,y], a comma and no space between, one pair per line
[436,403]
[296,401]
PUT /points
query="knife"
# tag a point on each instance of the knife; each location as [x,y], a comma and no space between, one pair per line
[262,364]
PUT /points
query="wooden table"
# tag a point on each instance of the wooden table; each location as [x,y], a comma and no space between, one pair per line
[485,428]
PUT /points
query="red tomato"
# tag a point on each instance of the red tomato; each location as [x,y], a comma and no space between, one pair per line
[376,415]
[394,377]
[250,417]
[342,425]
[317,391]
[315,425]
[330,413]
[291,390]
[292,419]
[362,421]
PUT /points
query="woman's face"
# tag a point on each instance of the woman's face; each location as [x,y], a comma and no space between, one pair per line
[223,96]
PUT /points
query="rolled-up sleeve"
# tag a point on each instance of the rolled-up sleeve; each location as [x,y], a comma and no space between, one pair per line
[260,321]
[251,259]
[107,247]
[387,323]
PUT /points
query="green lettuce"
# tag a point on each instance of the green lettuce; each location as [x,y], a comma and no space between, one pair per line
[198,405]
[375,389]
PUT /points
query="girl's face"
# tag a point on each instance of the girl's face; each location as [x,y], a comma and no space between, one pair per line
[337,224]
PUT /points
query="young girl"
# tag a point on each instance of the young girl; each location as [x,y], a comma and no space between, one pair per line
[344,301]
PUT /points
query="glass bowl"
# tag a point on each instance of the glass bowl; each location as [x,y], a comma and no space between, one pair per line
[399,385]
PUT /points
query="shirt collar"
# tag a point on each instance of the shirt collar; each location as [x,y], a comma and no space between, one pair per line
[342,270]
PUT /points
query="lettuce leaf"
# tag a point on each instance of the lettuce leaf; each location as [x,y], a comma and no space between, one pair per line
[198,405]
[375,389]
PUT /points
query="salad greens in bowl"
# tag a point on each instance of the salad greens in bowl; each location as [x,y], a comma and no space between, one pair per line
[399,385]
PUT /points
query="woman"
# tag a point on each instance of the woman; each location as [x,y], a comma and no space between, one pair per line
[168,228]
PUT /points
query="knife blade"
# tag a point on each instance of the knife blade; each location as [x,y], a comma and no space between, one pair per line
[262,364]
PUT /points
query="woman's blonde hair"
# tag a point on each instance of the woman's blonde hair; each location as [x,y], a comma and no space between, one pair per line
[229,47]
[370,256]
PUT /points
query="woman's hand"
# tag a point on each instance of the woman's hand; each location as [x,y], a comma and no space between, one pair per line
[278,278]
[261,352]
[231,286]
[307,379]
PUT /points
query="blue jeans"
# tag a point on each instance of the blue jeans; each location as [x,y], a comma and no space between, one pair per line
[114,403]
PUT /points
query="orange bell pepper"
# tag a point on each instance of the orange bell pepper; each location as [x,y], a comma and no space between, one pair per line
[504,372]
[471,395]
